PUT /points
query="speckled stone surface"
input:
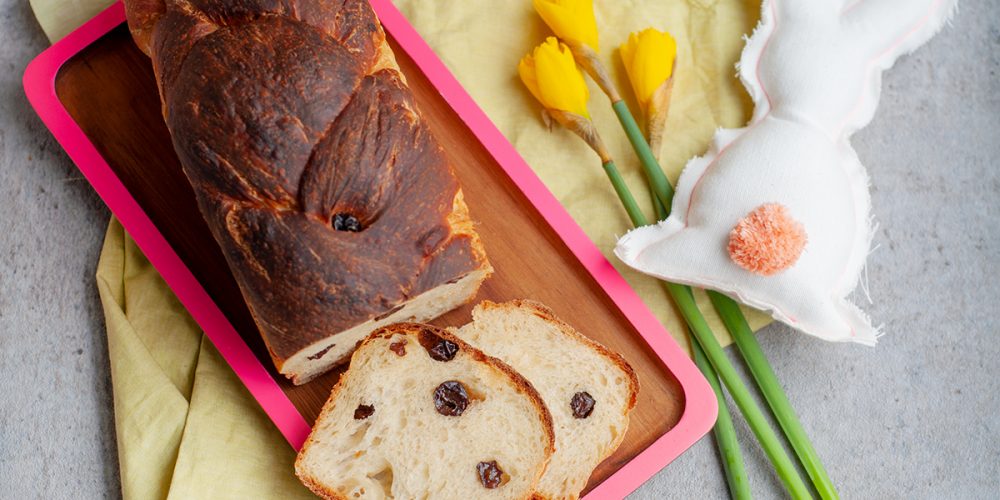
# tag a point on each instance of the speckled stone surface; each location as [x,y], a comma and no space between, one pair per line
[916,417]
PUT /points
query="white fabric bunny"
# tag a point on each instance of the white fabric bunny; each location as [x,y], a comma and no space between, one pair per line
[776,214]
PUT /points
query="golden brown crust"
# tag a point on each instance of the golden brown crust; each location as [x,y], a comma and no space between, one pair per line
[288,116]
[309,481]
[414,330]
[318,489]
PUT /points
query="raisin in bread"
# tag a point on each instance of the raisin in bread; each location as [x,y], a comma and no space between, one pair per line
[421,414]
[334,206]
[588,389]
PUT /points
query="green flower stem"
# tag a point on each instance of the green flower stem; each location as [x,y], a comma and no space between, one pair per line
[657,180]
[624,194]
[741,395]
[684,299]
[761,370]
[725,433]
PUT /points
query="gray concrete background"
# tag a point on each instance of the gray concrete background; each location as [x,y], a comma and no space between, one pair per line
[915,417]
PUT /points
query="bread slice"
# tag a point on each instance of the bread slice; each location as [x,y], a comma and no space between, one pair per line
[398,425]
[589,389]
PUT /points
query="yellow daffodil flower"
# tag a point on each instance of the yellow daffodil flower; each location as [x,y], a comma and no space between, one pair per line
[649,61]
[550,73]
[571,20]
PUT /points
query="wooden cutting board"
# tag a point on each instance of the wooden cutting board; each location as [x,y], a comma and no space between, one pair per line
[108,89]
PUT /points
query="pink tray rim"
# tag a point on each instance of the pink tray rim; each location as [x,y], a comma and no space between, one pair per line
[700,403]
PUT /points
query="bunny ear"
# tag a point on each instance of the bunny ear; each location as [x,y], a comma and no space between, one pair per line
[891,28]
[774,12]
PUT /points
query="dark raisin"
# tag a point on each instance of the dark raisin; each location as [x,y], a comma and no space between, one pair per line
[321,353]
[582,405]
[346,222]
[398,347]
[450,398]
[489,474]
[438,348]
[363,412]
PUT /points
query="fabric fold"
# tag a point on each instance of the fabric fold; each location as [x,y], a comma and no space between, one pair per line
[186,426]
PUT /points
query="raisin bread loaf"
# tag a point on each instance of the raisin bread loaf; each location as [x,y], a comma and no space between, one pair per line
[336,209]
[421,414]
[588,389]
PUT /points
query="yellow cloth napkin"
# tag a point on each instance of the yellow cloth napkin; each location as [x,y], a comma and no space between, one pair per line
[187,428]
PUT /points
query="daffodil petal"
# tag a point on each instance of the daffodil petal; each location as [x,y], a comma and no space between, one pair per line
[648,57]
[560,83]
[526,70]
[571,20]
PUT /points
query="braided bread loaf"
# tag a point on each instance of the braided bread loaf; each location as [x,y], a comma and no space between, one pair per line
[336,209]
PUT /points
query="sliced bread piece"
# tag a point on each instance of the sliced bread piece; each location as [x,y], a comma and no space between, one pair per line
[589,389]
[422,414]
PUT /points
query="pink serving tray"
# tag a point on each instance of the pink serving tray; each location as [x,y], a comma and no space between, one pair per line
[700,403]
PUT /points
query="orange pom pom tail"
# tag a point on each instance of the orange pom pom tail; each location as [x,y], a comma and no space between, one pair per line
[767,241]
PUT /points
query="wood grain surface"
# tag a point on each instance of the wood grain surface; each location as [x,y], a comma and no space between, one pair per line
[110,91]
